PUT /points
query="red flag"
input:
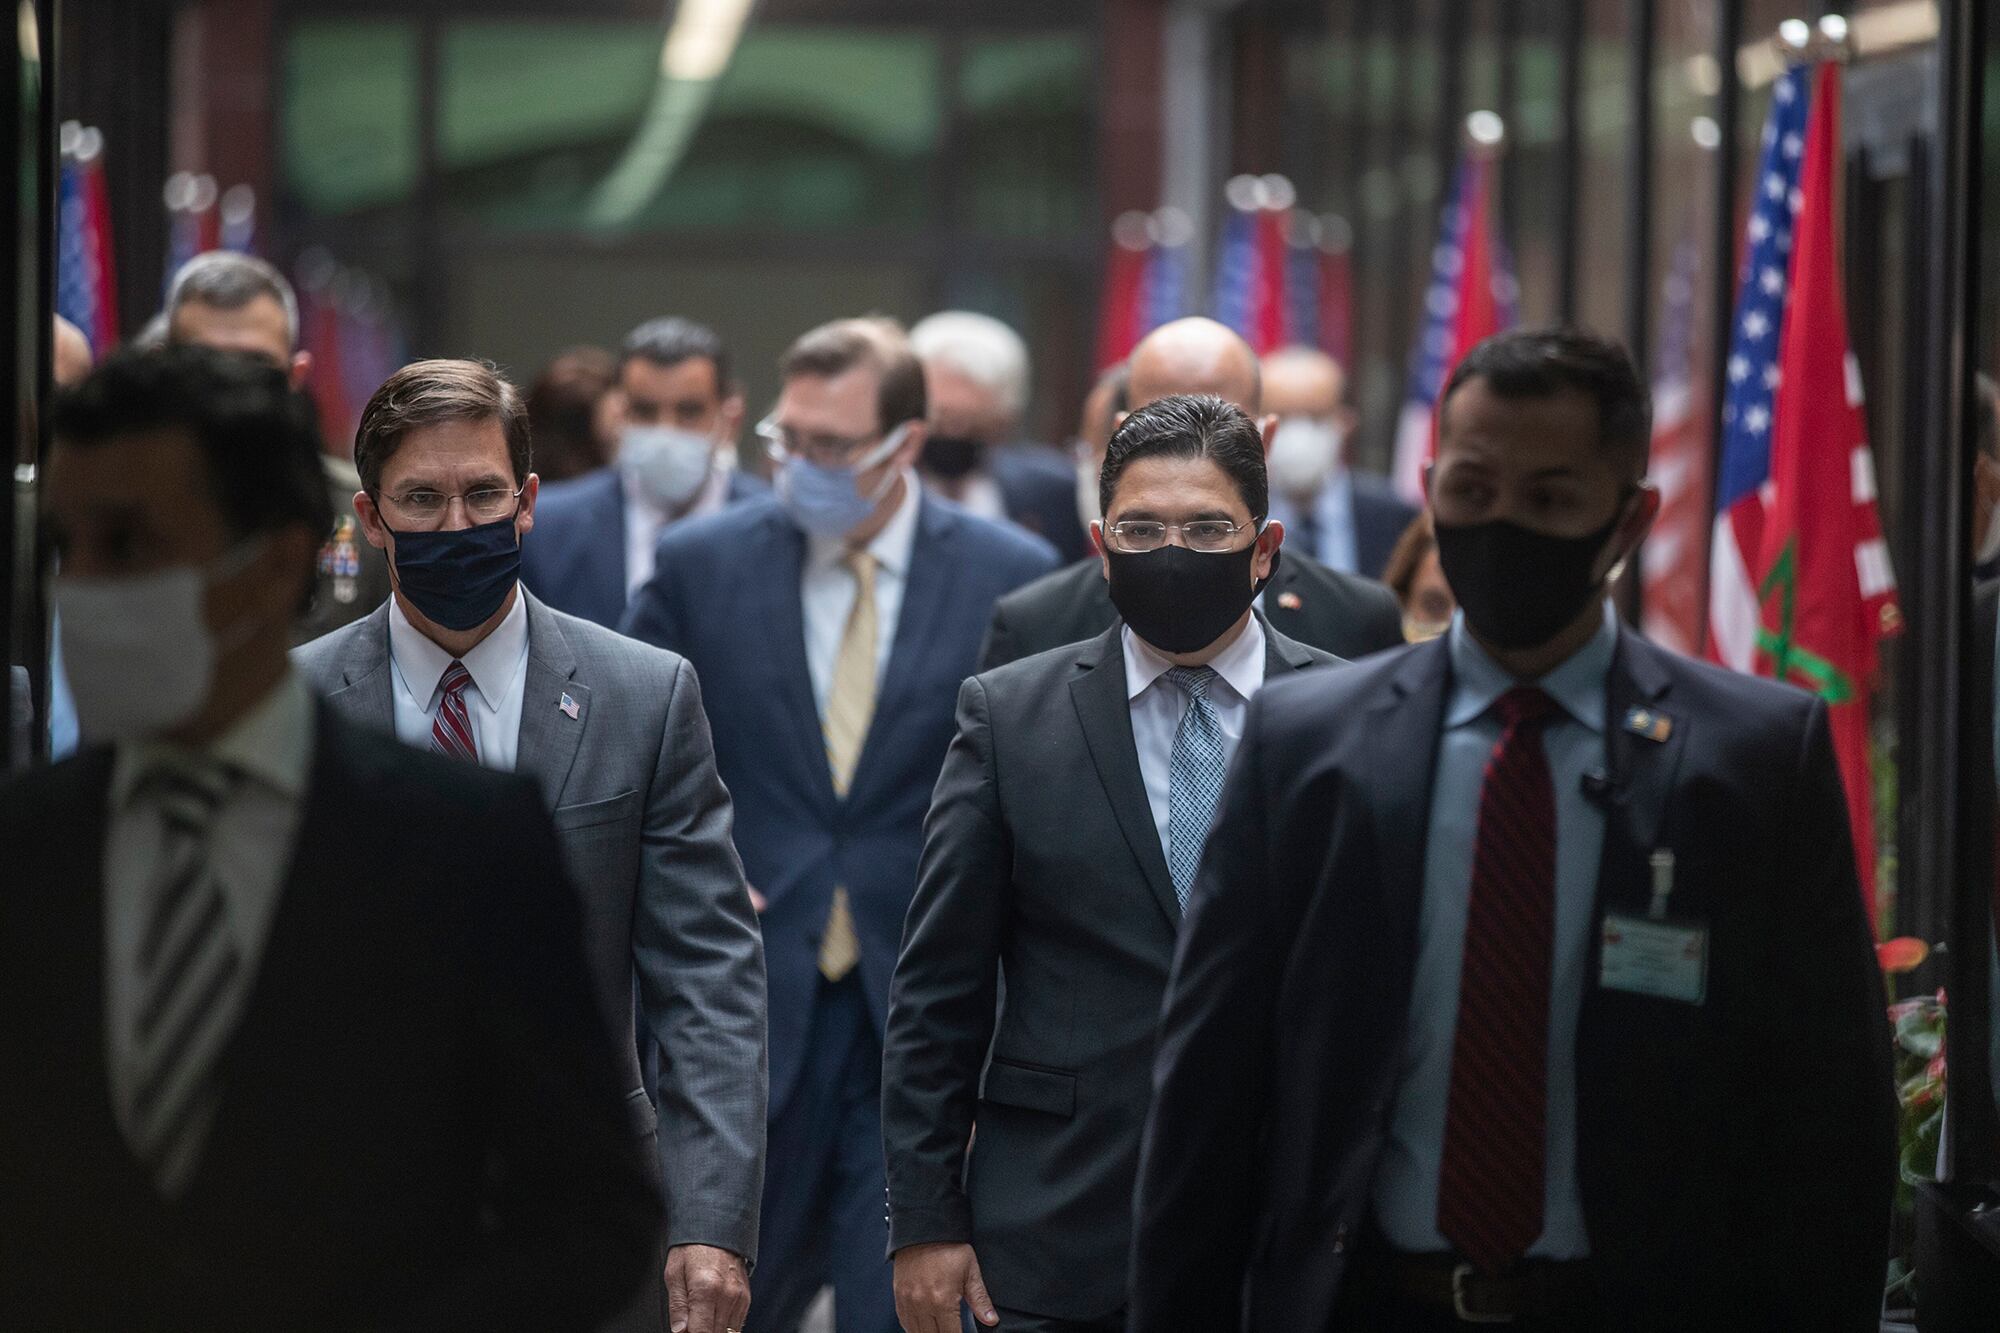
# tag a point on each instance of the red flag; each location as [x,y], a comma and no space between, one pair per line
[1267,300]
[1478,316]
[327,380]
[1825,590]
[97,235]
[1120,311]
[1336,302]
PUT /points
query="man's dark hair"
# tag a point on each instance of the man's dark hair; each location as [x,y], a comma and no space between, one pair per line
[877,343]
[229,281]
[425,393]
[1542,363]
[668,342]
[259,439]
[1191,426]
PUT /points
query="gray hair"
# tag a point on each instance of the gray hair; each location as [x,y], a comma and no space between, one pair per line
[229,281]
[980,348]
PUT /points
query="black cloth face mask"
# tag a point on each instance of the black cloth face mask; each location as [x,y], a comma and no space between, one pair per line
[1180,601]
[951,456]
[1519,587]
[458,579]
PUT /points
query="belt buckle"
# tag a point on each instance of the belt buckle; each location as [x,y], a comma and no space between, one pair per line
[1458,1276]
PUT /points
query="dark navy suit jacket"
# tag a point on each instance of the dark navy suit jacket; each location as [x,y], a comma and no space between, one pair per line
[1038,486]
[574,560]
[1736,1157]
[726,596]
[1380,515]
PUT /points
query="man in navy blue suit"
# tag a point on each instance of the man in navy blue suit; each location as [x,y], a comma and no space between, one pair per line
[1346,520]
[680,415]
[836,620]
[1526,977]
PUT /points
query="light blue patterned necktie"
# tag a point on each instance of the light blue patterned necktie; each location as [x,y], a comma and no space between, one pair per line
[1194,778]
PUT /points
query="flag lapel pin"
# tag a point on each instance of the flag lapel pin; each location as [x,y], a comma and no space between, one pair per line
[1649,722]
[568,706]
[1291,601]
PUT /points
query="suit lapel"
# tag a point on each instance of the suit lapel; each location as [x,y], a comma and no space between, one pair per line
[1284,608]
[1106,716]
[926,591]
[1283,655]
[367,688]
[1402,743]
[549,735]
[1641,768]
[777,626]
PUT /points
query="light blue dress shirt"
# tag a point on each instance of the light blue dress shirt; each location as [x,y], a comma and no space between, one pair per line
[1333,522]
[1405,1191]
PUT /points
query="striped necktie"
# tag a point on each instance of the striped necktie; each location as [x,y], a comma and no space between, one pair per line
[1194,778]
[850,707]
[451,729]
[189,975]
[1491,1179]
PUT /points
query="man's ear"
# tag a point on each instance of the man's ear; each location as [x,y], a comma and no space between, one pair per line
[1267,426]
[524,518]
[372,526]
[1268,542]
[1097,545]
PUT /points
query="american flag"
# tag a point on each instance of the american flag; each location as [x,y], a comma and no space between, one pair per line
[1472,294]
[1232,299]
[1675,558]
[1752,381]
[86,292]
[1164,287]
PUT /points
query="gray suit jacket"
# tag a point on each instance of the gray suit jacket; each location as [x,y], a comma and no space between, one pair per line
[644,825]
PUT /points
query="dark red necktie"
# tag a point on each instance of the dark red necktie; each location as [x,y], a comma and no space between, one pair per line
[1496,1117]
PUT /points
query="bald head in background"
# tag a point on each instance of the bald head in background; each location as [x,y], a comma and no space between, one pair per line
[1197,356]
[1306,382]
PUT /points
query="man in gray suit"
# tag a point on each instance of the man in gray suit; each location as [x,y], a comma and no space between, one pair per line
[461,660]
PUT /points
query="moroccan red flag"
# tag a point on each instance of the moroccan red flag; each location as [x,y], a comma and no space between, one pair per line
[1121,310]
[97,231]
[1825,592]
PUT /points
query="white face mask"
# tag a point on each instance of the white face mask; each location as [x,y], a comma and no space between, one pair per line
[137,650]
[1304,452]
[668,466]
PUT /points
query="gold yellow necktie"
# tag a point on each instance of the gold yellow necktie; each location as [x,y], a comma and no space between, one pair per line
[850,705]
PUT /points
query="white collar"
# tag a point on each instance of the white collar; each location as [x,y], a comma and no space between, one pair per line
[1241,664]
[892,545]
[493,662]
[272,743]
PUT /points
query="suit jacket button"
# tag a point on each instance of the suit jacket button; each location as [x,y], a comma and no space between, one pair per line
[1340,1239]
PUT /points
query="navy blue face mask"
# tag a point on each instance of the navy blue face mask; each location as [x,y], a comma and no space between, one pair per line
[458,579]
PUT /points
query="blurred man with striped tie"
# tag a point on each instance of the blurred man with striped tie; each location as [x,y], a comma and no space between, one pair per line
[295,1029]
[463,661]
[832,623]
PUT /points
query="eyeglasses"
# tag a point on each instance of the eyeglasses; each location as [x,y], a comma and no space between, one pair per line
[425,508]
[825,450]
[1211,535]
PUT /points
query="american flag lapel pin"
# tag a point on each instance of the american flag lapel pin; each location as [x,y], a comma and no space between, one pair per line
[568,706]
[1291,601]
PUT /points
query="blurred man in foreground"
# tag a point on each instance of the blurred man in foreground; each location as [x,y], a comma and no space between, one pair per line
[294,1025]
[239,303]
[1344,519]
[1337,613]
[1499,939]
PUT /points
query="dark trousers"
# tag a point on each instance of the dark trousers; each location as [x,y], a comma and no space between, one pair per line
[1370,1301]
[823,1180]
[1016,1321]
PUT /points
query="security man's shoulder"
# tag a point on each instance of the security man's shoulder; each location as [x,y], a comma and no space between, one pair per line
[1728,700]
[1331,689]
[376,769]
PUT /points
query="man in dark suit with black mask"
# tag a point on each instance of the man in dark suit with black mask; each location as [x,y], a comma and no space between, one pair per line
[1337,613]
[1060,845]
[1527,975]
[294,1025]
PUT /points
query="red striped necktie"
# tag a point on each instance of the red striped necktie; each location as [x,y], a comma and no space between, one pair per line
[1490,1185]
[451,729]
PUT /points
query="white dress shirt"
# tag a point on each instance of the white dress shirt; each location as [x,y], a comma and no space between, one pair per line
[498,665]
[250,850]
[644,523]
[827,589]
[1405,1189]
[1158,706]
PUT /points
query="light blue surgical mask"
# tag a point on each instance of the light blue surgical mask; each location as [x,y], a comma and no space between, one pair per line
[826,501]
